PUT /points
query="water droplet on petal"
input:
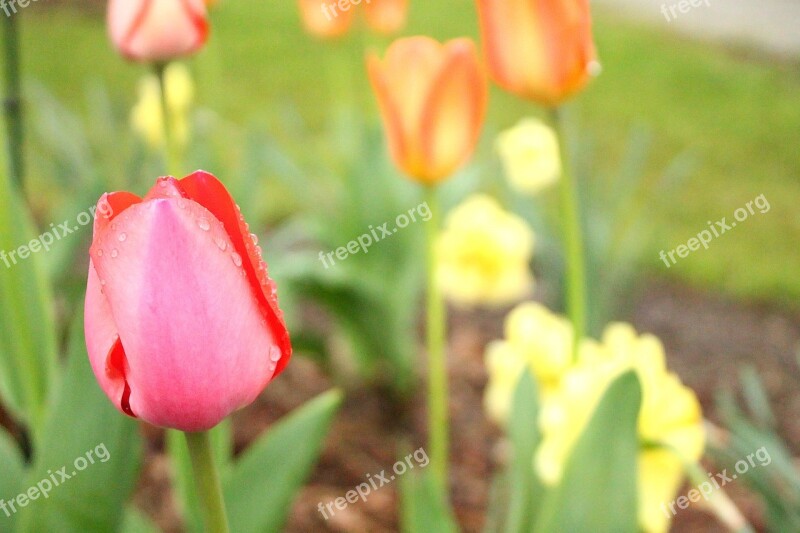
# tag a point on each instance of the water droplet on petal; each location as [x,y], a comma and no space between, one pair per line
[114,253]
[203,224]
[103,282]
[100,253]
[274,354]
[221,244]
[237,259]
[258,250]
[254,237]
[162,182]
[122,237]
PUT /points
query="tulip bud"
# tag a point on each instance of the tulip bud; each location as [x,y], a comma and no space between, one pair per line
[182,320]
[386,16]
[432,98]
[538,49]
[323,18]
[157,30]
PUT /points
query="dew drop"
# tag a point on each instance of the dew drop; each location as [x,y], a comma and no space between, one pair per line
[258,250]
[246,226]
[221,244]
[114,253]
[162,182]
[122,237]
[237,259]
[203,224]
[274,354]
[100,253]
[103,282]
[254,237]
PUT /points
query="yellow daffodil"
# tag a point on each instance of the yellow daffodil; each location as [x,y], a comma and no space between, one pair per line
[535,339]
[483,254]
[530,155]
[147,118]
[670,415]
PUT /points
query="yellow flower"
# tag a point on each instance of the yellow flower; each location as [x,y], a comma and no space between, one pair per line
[530,155]
[147,118]
[535,339]
[670,415]
[484,253]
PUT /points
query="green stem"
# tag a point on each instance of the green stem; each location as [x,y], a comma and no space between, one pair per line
[573,236]
[171,154]
[438,420]
[206,477]
[13,101]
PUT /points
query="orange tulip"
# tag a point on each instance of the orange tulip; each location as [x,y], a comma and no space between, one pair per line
[323,19]
[432,98]
[539,49]
[332,18]
[386,16]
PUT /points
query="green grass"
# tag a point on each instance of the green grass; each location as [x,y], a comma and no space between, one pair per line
[738,116]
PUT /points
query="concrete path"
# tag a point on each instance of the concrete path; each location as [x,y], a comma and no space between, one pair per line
[771,25]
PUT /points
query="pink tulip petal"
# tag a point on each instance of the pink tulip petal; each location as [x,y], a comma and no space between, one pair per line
[102,340]
[197,345]
[209,192]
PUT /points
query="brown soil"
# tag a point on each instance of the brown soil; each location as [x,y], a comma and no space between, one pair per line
[708,340]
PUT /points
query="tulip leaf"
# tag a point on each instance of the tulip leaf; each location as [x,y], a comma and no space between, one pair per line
[597,492]
[424,505]
[261,486]
[136,522]
[27,330]
[525,488]
[90,458]
[12,467]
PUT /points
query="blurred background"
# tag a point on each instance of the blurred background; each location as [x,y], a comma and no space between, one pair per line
[702,108]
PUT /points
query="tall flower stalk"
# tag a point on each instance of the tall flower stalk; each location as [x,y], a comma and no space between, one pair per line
[13,101]
[575,252]
[432,98]
[438,388]
[209,489]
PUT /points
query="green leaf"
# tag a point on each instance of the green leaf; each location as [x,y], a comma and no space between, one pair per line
[12,467]
[92,443]
[424,505]
[597,493]
[523,431]
[136,522]
[27,330]
[261,486]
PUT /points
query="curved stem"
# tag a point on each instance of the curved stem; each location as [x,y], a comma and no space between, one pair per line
[206,477]
[438,423]
[573,236]
[13,101]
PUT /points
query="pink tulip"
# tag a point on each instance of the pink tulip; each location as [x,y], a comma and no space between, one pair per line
[182,321]
[157,30]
